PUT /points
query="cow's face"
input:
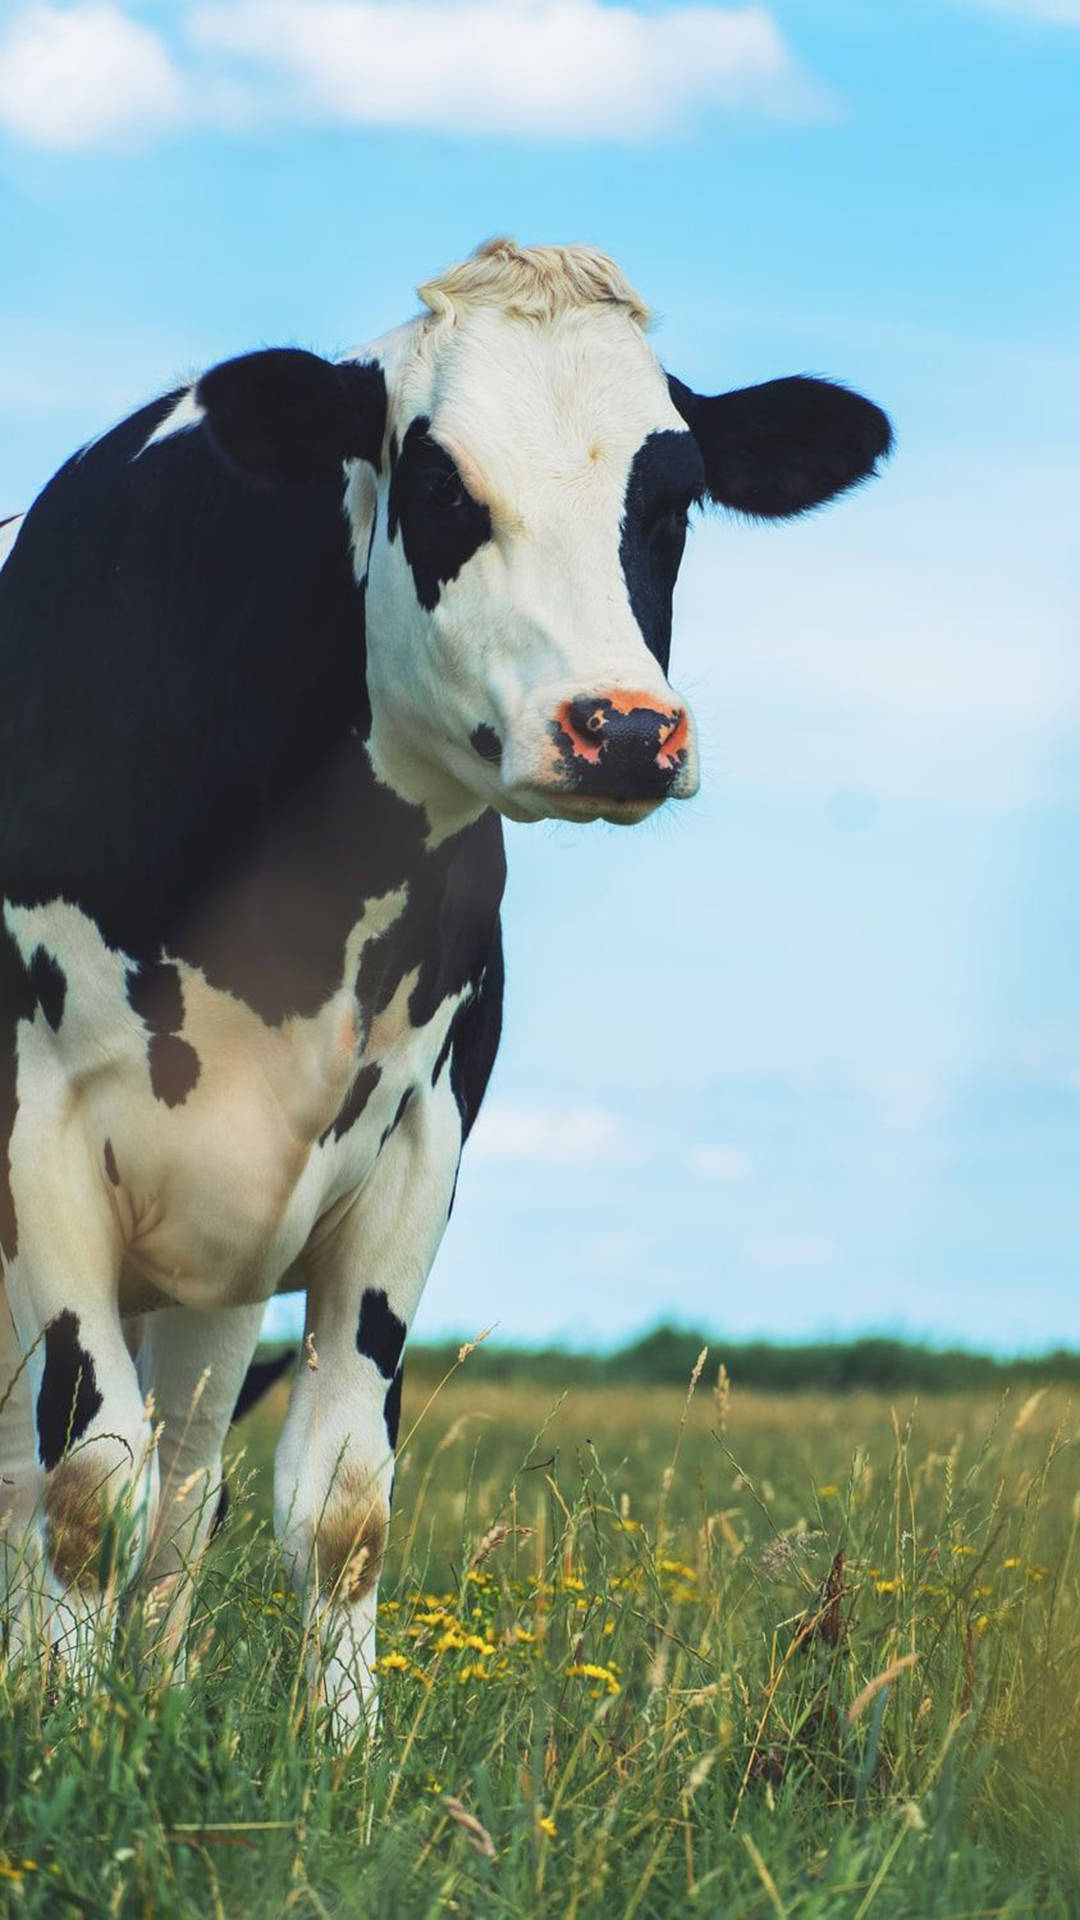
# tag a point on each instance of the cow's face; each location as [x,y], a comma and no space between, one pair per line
[518,491]
[531,519]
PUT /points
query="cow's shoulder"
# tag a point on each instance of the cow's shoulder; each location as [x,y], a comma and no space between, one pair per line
[178,654]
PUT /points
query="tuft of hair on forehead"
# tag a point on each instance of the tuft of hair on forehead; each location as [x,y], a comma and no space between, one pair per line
[535,284]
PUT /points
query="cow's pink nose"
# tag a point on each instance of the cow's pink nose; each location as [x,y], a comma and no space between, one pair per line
[627,746]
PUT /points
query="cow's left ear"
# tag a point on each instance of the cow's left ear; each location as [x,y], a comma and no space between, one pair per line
[781,448]
[283,417]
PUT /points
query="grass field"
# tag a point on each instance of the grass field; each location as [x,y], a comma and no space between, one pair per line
[808,1655]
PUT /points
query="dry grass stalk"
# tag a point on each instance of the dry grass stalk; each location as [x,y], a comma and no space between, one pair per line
[474,1830]
[873,1687]
[722,1394]
[494,1537]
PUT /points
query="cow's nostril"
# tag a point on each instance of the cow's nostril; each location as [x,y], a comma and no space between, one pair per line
[587,716]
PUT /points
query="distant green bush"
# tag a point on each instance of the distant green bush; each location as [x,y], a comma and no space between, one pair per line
[666,1356]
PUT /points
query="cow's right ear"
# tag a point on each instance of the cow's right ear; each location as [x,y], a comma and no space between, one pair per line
[284,417]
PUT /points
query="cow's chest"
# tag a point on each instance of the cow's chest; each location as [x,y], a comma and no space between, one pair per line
[221,1140]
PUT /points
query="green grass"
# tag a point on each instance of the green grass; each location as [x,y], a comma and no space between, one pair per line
[626,1672]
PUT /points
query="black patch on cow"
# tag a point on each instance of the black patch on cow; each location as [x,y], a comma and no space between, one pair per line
[258,1380]
[355,1101]
[443,1054]
[69,1396]
[398,1117]
[174,1068]
[202,647]
[284,417]
[49,986]
[111,1167]
[441,524]
[485,741]
[477,1027]
[155,993]
[392,1407]
[17,1002]
[786,446]
[666,477]
[380,1334]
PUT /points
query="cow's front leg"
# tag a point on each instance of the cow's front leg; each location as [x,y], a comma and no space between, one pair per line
[21,1485]
[94,1442]
[193,1363]
[92,1436]
[335,1462]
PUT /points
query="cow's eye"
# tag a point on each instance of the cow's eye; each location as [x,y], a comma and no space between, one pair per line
[442,491]
[667,531]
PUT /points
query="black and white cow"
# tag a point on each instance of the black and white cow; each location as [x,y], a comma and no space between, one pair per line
[275,655]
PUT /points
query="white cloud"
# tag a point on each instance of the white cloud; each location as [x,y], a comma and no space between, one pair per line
[73,77]
[533,67]
[716,1161]
[92,73]
[550,1136]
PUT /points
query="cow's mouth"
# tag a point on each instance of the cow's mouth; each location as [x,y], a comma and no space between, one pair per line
[528,803]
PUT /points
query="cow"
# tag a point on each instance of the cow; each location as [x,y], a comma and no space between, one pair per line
[277,654]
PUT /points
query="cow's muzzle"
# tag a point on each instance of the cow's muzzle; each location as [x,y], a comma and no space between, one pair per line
[621,746]
[611,753]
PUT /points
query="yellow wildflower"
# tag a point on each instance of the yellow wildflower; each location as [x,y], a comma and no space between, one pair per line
[1012,1561]
[589,1670]
[828,1491]
[547,1825]
[887,1586]
[392,1663]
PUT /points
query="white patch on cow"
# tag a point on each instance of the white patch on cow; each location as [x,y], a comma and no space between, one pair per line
[8,536]
[186,414]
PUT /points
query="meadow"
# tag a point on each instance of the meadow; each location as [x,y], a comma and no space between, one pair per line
[645,1650]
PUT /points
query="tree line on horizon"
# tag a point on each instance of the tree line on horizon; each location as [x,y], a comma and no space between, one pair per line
[666,1357]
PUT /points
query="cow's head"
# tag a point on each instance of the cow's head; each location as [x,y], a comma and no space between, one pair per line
[518,472]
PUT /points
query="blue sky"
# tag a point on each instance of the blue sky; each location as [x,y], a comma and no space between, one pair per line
[805,1054]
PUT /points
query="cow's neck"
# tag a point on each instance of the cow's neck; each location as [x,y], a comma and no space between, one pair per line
[276,928]
[447,806]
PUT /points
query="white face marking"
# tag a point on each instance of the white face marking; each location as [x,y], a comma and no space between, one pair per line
[543,424]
